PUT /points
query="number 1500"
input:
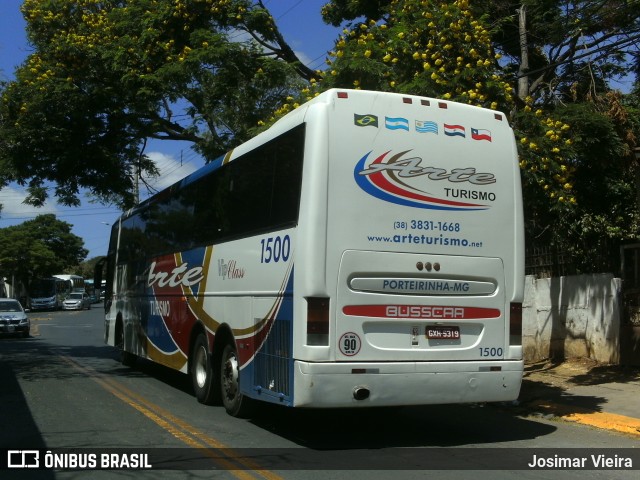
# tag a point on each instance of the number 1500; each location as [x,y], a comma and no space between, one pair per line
[275,249]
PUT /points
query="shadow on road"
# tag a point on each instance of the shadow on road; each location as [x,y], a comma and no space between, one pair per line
[19,430]
[582,372]
[435,425]
[421,426]
[556,383]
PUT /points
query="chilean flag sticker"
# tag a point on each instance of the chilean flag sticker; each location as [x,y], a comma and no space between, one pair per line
[480,134]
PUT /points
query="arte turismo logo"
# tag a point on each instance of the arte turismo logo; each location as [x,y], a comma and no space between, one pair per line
[402,179]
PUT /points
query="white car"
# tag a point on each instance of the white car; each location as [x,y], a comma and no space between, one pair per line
[76,301]
[13,319]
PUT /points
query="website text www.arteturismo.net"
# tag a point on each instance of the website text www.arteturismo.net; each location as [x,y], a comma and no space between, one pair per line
[422,239]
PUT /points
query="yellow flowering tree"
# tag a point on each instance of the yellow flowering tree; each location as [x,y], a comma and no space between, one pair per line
[443,49]
[107,75]
[453,50]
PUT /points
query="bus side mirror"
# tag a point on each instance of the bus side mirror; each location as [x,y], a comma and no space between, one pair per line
[97,272]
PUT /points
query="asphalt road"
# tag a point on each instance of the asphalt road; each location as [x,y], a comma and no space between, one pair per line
[64,391]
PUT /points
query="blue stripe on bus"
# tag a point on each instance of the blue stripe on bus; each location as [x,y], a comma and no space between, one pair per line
[269,376]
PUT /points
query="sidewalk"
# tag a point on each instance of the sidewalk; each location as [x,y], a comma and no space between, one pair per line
[603,396]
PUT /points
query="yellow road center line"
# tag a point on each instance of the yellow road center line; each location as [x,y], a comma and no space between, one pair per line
[184,432]
[604,420]
[200,435]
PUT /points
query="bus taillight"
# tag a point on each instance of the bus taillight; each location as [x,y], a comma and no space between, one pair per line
[317,321]
[515,324]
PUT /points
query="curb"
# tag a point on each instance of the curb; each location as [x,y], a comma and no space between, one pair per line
[602,420]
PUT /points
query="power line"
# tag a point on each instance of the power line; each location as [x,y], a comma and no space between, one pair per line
[619,43]
[28,216]
[289,9]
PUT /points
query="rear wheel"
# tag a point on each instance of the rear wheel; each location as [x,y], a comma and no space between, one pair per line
[126,358]
[202,372]
[235,403]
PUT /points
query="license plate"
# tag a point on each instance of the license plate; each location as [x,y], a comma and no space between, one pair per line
[11,329]
[443,333]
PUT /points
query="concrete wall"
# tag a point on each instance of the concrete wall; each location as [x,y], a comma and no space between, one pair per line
[575,316]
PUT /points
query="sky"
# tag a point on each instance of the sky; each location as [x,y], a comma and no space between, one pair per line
[302,27]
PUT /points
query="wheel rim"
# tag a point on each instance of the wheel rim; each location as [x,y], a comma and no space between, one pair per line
[120,335]
[230,376]
[201,367]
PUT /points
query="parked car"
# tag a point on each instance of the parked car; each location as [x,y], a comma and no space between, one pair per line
[13,319]
[76,301]
[93,298]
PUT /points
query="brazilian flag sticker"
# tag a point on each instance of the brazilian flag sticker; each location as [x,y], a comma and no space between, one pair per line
[366,120]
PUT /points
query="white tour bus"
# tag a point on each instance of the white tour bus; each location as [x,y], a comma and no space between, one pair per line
[48,293]
[366,250]
[77,282]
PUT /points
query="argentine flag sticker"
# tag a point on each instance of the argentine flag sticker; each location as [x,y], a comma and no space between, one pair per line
[396,123]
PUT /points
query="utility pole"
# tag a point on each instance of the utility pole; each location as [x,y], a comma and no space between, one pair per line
[136,185]
[137,174]
[523,78]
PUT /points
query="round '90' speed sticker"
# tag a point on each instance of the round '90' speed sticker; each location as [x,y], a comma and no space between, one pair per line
[350,344]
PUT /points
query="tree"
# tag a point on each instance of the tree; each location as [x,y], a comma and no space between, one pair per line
[547,64]
[40,247]
[87,268]
[552,44]
[443,50]
[107,75]
[543,42]
[564,59]
[606,184]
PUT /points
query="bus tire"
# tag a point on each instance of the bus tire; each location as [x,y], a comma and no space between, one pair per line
[202,372]
[235,403]
[126,358]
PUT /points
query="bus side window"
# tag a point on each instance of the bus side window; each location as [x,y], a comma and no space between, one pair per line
[205,196]
[287,179]
[248,201]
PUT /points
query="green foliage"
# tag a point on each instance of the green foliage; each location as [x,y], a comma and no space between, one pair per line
[574,138]
[423,48]
[581,41]
[337,11]
[105,76]
[606,187]
[443,50]
[86,269]
[39,248]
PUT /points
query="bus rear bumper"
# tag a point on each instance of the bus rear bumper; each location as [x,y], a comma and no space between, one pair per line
[333,385]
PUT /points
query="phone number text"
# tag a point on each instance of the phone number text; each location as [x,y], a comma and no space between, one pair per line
[427,225]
